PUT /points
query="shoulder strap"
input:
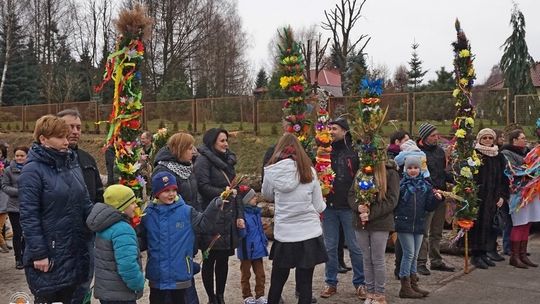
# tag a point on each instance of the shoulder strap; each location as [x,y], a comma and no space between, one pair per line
[226,177]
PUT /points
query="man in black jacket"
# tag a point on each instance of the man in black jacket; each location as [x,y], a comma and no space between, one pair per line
[436,162]
[92,179]
[338,213]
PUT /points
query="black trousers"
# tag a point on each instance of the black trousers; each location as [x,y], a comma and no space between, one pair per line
[159,296]
[218,264]
[63,296]
[18,242]
[304,280]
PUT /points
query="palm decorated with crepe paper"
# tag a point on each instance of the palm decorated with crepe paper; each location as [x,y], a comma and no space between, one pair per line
[125,119]
[323,139]
[466,160]
[368,117]
[292,82]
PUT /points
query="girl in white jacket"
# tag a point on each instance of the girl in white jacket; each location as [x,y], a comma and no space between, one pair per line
[291,182]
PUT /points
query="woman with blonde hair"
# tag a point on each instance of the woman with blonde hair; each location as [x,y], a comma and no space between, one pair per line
[176,158]
[291,182]
[379,221]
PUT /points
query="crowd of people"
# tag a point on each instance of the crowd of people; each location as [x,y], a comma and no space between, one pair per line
[70,230]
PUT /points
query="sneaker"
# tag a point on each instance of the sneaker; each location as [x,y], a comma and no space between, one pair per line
[250,300]
[442,267]
[422,269]
[361,292]
[261,300]
[328,291]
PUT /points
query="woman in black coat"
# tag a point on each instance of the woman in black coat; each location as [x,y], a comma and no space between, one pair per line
[214,168]
[492,192]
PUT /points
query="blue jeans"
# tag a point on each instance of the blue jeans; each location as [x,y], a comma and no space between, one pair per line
[117,302]
[331,219]
[506,235]
[410,245]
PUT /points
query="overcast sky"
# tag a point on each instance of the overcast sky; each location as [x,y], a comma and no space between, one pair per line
[393,25]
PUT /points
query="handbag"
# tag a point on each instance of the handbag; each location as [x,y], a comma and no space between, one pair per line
[499,220]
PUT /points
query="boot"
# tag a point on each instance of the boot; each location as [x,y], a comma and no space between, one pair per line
[378,299]
[4,248]
[220,299]
[523,254]
[212,299]
[415,287]
[19,264]
[406,290]
[515,256]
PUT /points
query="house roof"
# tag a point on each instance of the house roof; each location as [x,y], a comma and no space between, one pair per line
[330,80]
[496,80]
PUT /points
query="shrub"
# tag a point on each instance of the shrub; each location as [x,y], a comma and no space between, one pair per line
[161,124]
[8,127]
[175,127]
[190,127]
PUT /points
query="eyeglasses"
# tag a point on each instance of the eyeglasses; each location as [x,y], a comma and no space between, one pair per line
[488,137]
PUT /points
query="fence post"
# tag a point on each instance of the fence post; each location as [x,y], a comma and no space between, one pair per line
[515,109]
[194,114]
[255,116]
[23,115]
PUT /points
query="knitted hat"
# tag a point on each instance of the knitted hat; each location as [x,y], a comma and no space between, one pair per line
[246,194]
[409,145]
[413,161]
[342,122]
[163,181]
[119,197]
[425,130]
[484,132]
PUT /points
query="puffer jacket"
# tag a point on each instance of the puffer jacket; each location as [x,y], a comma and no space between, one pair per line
[344,164]
[54,204]
[253,243]
[381,212]
[297,206]
[185,179]
[118,268]
[416,198]
[436,163]
[10,186]
[210,169]
[168,231]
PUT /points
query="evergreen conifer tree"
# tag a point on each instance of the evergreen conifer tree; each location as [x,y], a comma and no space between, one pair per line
[416,73]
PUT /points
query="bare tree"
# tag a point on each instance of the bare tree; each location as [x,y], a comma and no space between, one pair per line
[340,21]
[401,78]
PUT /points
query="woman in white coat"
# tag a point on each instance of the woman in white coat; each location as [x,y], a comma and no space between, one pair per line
[291,182]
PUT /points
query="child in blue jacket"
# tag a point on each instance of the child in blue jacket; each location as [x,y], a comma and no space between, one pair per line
[416,198]
[252,247]
[118,269]
[168,229]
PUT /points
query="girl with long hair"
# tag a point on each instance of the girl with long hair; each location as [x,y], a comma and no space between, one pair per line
[291,182]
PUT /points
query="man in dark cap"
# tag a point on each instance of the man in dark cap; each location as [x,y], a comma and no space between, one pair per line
[345,163]
[436,162]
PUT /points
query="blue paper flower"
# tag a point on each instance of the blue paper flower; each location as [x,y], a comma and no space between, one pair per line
[538,122]
[371,88]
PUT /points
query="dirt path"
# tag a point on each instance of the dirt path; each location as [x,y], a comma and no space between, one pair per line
[14,281]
